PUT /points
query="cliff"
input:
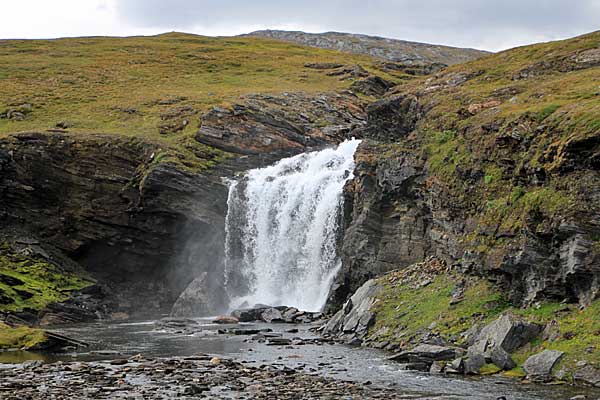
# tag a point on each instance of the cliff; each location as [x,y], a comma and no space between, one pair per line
[475,208]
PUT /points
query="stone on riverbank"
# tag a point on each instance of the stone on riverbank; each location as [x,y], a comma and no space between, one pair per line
[539,366]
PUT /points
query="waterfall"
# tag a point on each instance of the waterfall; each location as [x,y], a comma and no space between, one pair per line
[281,229]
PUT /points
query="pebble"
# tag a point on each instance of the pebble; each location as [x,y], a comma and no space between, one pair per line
[191,377]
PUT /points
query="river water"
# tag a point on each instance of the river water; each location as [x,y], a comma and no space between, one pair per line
[125,339]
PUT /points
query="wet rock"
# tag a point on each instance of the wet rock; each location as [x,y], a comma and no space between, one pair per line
[248,314]
[437,367]
[539,366]
[199,299]
[271,315]
[278,341]
[455,367]
[472,364]
[225,319]
[428,353]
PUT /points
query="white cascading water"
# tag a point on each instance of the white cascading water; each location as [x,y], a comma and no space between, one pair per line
[281,229]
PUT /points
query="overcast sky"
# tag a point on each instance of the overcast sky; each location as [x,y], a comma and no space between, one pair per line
[485,24]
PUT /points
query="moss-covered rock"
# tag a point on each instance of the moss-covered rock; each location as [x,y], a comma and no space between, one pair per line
[20,338]
[33,283]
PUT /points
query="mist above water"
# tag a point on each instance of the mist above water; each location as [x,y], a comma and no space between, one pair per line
[281,229]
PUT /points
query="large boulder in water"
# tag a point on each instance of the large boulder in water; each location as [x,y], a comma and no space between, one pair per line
[199,299]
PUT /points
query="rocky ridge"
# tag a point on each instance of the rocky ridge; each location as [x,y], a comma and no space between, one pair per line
[399,51]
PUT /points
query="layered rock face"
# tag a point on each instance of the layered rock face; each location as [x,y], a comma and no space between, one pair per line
[101,201]
[144,228]
[266,128]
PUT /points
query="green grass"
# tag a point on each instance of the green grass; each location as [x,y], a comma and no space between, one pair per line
[406,312]
[20,338]
[123,85]
[403,312]
[39,283]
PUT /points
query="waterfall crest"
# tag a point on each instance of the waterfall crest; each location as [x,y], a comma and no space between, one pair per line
[281,229]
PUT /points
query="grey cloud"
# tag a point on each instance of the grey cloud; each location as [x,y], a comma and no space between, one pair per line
[474,23]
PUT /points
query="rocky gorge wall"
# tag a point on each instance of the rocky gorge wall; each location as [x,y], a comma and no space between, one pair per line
[111,208]
[106,204]
[475,166]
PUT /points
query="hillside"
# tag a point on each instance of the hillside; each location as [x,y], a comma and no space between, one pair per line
[401,51]
[489,171]
[135,85]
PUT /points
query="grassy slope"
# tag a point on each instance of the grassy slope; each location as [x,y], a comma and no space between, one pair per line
[117,85]
[406,310]
[133,85]
[548,111]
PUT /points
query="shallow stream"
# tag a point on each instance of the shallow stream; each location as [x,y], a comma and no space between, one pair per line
[125,339]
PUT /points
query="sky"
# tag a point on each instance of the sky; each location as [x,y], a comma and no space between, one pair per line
[485,24]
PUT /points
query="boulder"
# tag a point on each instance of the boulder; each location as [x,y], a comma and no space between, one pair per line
[501,359]
[198,299]
[507,332]
[248,314]
[588,375]
[355,318]
[428,353]
[473,363]
[539,366]
[225,319]
[271,315]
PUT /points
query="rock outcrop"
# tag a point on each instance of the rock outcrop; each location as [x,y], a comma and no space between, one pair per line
[409,53]
[441,174]
[200,299]
[353,321]
[104,202]
[270,127]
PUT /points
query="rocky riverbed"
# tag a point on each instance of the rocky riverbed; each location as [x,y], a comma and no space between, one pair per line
[197,358]
[190,377]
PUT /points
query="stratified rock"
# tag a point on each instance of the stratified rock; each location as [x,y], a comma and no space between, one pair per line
[371,86]
[392,118]
[356,317]
[199,299]
[588,374]
[508,332]
[428,353]
[273,127]
[539,366]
